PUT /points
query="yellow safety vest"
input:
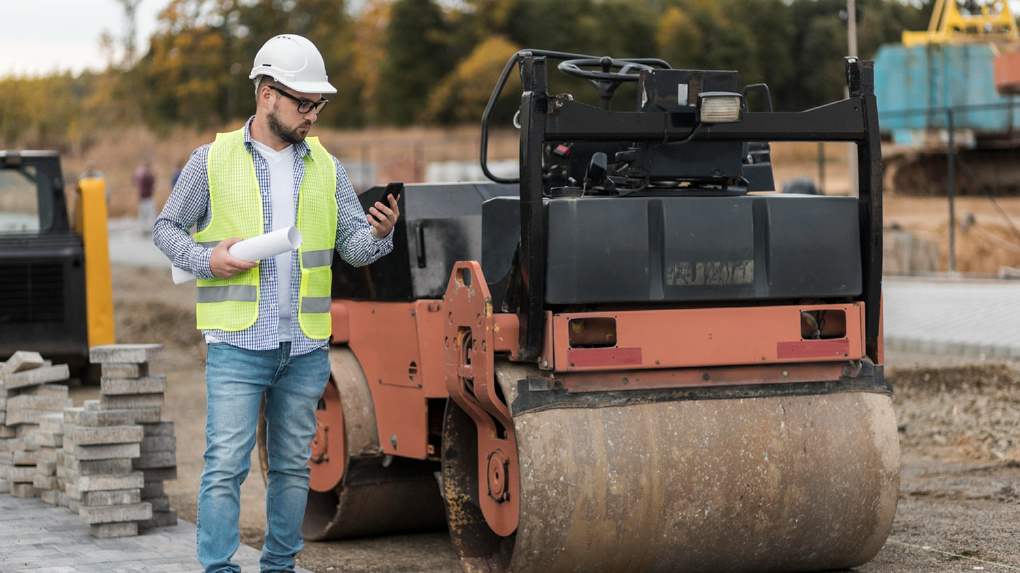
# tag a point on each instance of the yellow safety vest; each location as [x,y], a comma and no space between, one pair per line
[235,204]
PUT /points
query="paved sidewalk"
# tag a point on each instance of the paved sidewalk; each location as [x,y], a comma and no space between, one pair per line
[978,318]
[129,246]
[40,538]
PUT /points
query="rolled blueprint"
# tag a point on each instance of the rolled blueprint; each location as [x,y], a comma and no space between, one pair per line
[254,249]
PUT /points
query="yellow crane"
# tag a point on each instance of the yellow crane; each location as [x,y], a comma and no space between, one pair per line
[993,22]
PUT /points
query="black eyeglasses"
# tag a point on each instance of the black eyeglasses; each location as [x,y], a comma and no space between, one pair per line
[303,105]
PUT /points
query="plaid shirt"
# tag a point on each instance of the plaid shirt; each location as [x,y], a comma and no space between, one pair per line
[189,204]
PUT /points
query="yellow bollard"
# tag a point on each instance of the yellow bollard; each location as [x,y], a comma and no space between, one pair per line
[90,220]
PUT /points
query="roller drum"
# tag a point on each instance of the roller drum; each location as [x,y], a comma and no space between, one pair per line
[376,495]
[775,483]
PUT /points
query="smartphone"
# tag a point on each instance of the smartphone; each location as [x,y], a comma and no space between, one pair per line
[393,189]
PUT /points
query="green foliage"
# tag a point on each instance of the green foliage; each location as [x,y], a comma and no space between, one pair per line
[679,39]
[770,31]
[367,56]
[327,25]
[179,85]
[419,42]
[462,97]
[55,112]
[398,62]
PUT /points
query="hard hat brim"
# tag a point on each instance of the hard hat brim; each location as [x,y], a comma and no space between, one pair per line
[304,87]
[310,87]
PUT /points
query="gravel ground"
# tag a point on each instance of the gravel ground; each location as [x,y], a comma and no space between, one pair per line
[958,510]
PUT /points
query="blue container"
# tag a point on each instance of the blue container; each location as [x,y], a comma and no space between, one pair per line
[914,85]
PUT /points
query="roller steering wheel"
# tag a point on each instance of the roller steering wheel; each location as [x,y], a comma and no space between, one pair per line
[605,80]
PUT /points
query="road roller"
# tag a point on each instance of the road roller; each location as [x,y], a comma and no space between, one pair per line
[631,355]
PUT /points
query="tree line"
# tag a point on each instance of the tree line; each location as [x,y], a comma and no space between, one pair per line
[434,62]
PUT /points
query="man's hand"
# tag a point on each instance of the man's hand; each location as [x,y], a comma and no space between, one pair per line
[382,218]
[223,264]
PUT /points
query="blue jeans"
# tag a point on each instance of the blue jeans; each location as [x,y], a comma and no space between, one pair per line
[236,380]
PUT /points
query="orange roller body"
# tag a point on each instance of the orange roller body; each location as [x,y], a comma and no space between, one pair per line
[632,355]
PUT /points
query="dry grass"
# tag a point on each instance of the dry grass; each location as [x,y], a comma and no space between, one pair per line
[984,240]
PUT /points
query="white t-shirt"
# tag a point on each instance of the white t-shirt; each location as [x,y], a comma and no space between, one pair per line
[281,183]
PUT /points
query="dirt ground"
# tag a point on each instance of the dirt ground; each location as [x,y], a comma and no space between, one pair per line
[959,506]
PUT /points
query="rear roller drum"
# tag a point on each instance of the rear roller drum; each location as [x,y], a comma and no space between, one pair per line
[479,548]
[354,490]
[776,483]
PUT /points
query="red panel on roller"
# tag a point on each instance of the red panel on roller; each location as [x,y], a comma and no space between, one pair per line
[813,348]
[582,357]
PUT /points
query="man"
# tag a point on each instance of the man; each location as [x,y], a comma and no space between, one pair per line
[145,181]
[93,172]
[266,323]
[176,174]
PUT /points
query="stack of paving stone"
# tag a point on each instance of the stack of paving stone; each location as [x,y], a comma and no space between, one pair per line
[50,438]
[128,386]
[158,463]
[99,480]
[105,460]
[6,455]
[28,397]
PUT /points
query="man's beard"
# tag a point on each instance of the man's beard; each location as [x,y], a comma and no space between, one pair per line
[288,136]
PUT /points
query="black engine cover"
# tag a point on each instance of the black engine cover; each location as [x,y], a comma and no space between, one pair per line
[637,249]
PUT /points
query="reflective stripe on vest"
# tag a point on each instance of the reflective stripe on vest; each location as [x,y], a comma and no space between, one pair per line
[316,304]
[237,293]
[323,258]
[235,205]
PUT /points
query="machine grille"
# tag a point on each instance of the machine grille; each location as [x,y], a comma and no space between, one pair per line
[31,293]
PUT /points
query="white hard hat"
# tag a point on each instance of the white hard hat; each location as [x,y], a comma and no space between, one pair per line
[293,61]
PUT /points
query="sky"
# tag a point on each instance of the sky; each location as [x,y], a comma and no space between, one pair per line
[38,37]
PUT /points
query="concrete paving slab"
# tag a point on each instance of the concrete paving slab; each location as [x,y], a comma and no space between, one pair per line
[979,318]
[38,538]
[129,246]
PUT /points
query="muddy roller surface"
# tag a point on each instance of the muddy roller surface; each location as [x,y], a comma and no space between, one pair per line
[959,427]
